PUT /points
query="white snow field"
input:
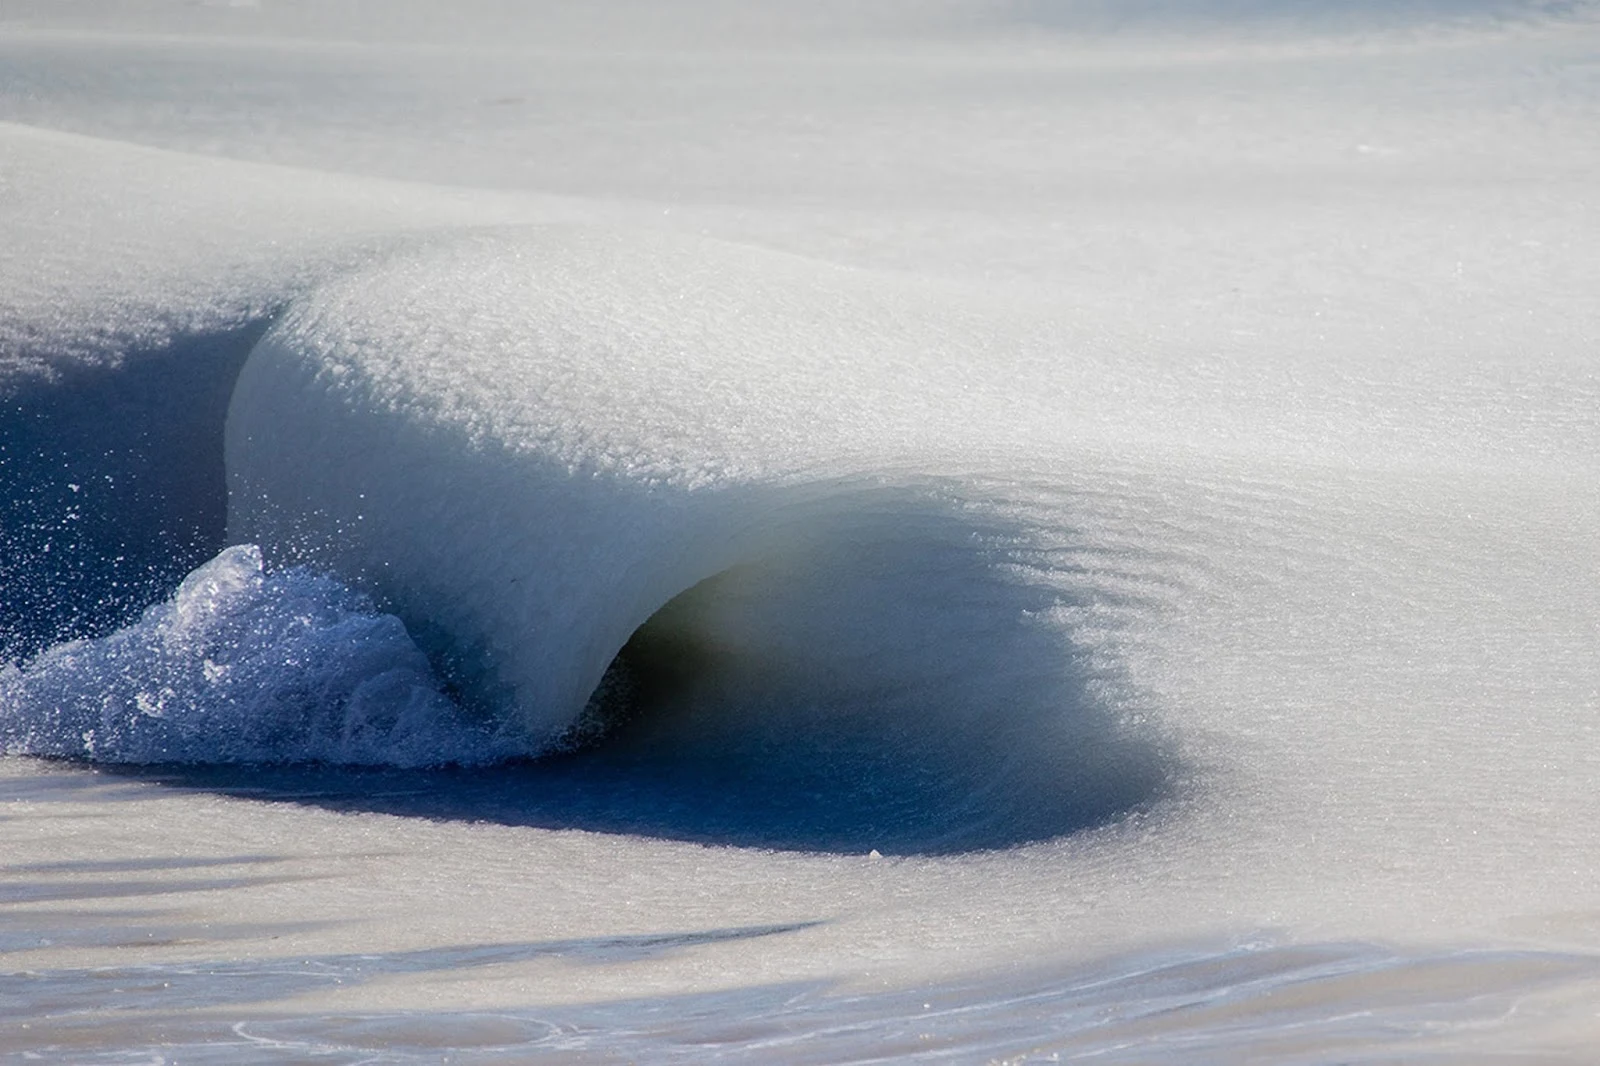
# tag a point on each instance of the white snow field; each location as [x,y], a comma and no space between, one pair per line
[965,530]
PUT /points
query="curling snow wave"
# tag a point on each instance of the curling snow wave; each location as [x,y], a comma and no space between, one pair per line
[520,490]
[611,484]
[528,442]
[821,532]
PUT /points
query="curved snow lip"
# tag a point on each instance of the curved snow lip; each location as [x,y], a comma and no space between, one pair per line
[526,442]
[519,443]
[872,670]
[870,676]
[876,679]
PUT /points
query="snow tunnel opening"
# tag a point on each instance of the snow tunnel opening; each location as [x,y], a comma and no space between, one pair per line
[658,665]
[884,675]
[878,683]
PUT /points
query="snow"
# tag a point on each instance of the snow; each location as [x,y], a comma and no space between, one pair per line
[1135,472]
[243,667]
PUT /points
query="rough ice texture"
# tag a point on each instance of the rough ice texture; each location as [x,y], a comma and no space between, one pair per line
[240,666]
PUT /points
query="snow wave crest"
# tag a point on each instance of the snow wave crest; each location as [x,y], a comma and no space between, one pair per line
[681,496]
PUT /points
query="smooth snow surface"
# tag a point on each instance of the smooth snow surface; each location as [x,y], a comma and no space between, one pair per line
[772,531]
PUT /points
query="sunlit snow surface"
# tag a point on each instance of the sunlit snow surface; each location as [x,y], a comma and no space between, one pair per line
[763,532]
